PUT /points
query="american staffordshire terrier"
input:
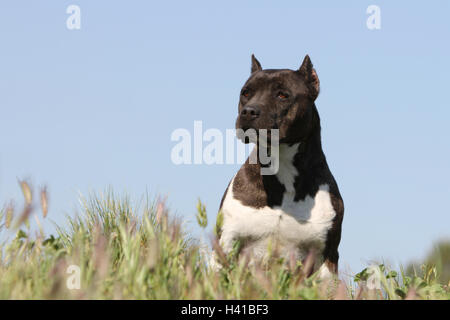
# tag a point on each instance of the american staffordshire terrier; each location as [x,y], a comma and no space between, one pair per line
[299,208]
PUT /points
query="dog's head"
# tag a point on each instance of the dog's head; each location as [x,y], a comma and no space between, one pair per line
[280,99]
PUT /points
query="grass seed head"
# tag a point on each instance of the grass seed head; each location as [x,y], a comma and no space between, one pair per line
[44,201]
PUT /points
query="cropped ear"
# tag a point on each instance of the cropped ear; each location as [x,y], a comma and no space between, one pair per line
[256,66]
[310,74]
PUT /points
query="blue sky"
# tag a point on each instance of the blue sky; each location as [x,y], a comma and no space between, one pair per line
[85,109]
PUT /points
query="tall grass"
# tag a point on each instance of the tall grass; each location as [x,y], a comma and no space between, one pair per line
[124,250]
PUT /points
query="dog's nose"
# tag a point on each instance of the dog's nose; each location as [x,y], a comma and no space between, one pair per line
[250,112]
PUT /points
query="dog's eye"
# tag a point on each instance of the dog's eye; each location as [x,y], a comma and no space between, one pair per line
[245,93]
[282,95]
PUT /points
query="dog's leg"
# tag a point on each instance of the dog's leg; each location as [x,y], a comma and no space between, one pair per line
[226,245]
[327,270]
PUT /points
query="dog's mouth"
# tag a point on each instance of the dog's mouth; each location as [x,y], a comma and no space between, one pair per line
[249,134]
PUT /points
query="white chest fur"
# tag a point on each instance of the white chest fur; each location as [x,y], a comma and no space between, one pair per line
[296,226]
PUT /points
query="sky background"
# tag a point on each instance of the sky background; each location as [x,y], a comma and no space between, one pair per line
[85,109]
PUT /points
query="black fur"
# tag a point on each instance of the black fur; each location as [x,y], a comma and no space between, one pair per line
[285,99]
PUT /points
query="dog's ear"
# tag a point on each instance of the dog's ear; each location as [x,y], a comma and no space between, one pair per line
[256,66]
[310,74]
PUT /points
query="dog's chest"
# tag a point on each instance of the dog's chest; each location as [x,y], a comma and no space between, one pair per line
[294,225]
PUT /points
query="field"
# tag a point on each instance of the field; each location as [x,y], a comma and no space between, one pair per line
[116,249]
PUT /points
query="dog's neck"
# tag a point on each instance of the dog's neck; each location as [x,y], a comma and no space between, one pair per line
[296,162]
[287,172]
[302,154]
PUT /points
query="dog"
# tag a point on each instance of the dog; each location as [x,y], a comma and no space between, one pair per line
[299,208]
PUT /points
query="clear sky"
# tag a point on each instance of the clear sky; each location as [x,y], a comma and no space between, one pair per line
[85,109]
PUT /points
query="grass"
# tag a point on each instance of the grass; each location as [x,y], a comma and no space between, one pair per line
[114,249]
